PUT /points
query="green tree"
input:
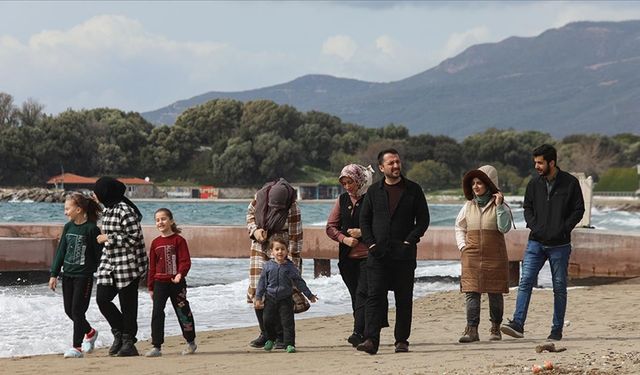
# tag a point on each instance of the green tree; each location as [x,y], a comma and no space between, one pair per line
[236,165]
[213,122]
[432,175]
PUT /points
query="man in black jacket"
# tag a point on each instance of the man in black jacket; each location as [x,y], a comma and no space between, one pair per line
[393,217]
[553,206]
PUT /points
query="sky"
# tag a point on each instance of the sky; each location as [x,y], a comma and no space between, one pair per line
[143,55]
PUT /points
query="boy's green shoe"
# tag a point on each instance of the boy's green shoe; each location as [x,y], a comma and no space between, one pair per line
[269,345]
[291,349]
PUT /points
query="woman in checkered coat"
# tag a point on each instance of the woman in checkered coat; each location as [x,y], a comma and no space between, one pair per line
[123,263]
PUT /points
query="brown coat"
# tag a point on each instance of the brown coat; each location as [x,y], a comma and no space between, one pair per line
[485,266]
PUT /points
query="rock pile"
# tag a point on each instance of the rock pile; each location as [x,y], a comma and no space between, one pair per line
[33,194]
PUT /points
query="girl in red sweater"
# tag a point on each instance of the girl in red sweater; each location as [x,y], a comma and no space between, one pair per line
[169,262]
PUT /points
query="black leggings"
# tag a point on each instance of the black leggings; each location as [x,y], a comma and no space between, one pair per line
[178,295]
[76,294]
[127,320]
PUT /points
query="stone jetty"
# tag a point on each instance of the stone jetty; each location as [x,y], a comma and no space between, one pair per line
[33,194]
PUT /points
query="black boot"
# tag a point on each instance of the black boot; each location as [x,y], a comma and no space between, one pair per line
[128,348]
[117,342]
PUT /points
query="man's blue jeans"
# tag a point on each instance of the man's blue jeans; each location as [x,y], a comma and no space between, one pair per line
[534,257]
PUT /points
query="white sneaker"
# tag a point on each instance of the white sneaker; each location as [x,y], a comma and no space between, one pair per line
[73,353]
[154,352]
[190,349]
[89,344]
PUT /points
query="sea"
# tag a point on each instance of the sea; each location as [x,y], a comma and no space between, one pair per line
[32,318]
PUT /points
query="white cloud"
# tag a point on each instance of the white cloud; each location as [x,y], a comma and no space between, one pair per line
[385,44]
[111,60]
[340,45]
[457,42]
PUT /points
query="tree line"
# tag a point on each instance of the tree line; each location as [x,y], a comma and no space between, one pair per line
[231,143]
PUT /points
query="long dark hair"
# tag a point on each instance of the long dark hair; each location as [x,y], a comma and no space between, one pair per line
[88,205]
[174,226]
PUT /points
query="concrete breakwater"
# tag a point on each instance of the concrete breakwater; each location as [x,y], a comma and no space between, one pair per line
[33,194]
[596,253]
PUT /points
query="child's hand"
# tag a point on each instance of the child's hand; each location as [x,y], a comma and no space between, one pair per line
[102,238]
[313,299]
[258,304]
[151,294]
[53,282]
[177,278]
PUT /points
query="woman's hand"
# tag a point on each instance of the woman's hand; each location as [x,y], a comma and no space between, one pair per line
[177,278]
[260,235]
[350,241]
[354,232]
[499,197]
[102,238]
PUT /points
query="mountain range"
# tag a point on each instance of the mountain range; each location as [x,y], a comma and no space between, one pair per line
[580,78]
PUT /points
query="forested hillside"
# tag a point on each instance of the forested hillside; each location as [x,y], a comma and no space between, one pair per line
[231,143]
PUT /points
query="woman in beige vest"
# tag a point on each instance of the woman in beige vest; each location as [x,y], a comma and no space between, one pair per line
[480,228]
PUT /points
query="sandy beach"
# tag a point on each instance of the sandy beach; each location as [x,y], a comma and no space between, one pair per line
[601,337]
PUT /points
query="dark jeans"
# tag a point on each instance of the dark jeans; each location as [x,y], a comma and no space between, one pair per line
[354,275]
[178,295]
[280,312]
[496,308]
[534,257]
[76,294]
[383,275]
[127,320]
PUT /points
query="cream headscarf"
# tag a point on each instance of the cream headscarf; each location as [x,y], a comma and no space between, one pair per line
[362,176]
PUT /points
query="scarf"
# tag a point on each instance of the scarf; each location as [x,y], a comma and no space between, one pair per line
[362,176]
[483,199]
[110,192]
[273,202]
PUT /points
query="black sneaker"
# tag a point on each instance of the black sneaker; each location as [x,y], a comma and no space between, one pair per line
[259,341]
[513,329]
[555,336]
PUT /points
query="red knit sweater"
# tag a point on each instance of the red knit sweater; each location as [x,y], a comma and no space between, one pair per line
[168,257]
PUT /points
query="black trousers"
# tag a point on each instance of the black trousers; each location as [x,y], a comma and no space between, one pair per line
[496,308]
[354,275]
[280,312]
[76,294]
[383,275]
[178,295]
[127,320]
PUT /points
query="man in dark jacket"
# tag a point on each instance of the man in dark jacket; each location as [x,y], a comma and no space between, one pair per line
[393,217]
[553,206]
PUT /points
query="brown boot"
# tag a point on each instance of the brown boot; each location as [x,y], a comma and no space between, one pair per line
[494,333]
[470,335]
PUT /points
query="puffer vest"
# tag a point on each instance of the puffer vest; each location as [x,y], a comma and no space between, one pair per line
[485,265]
